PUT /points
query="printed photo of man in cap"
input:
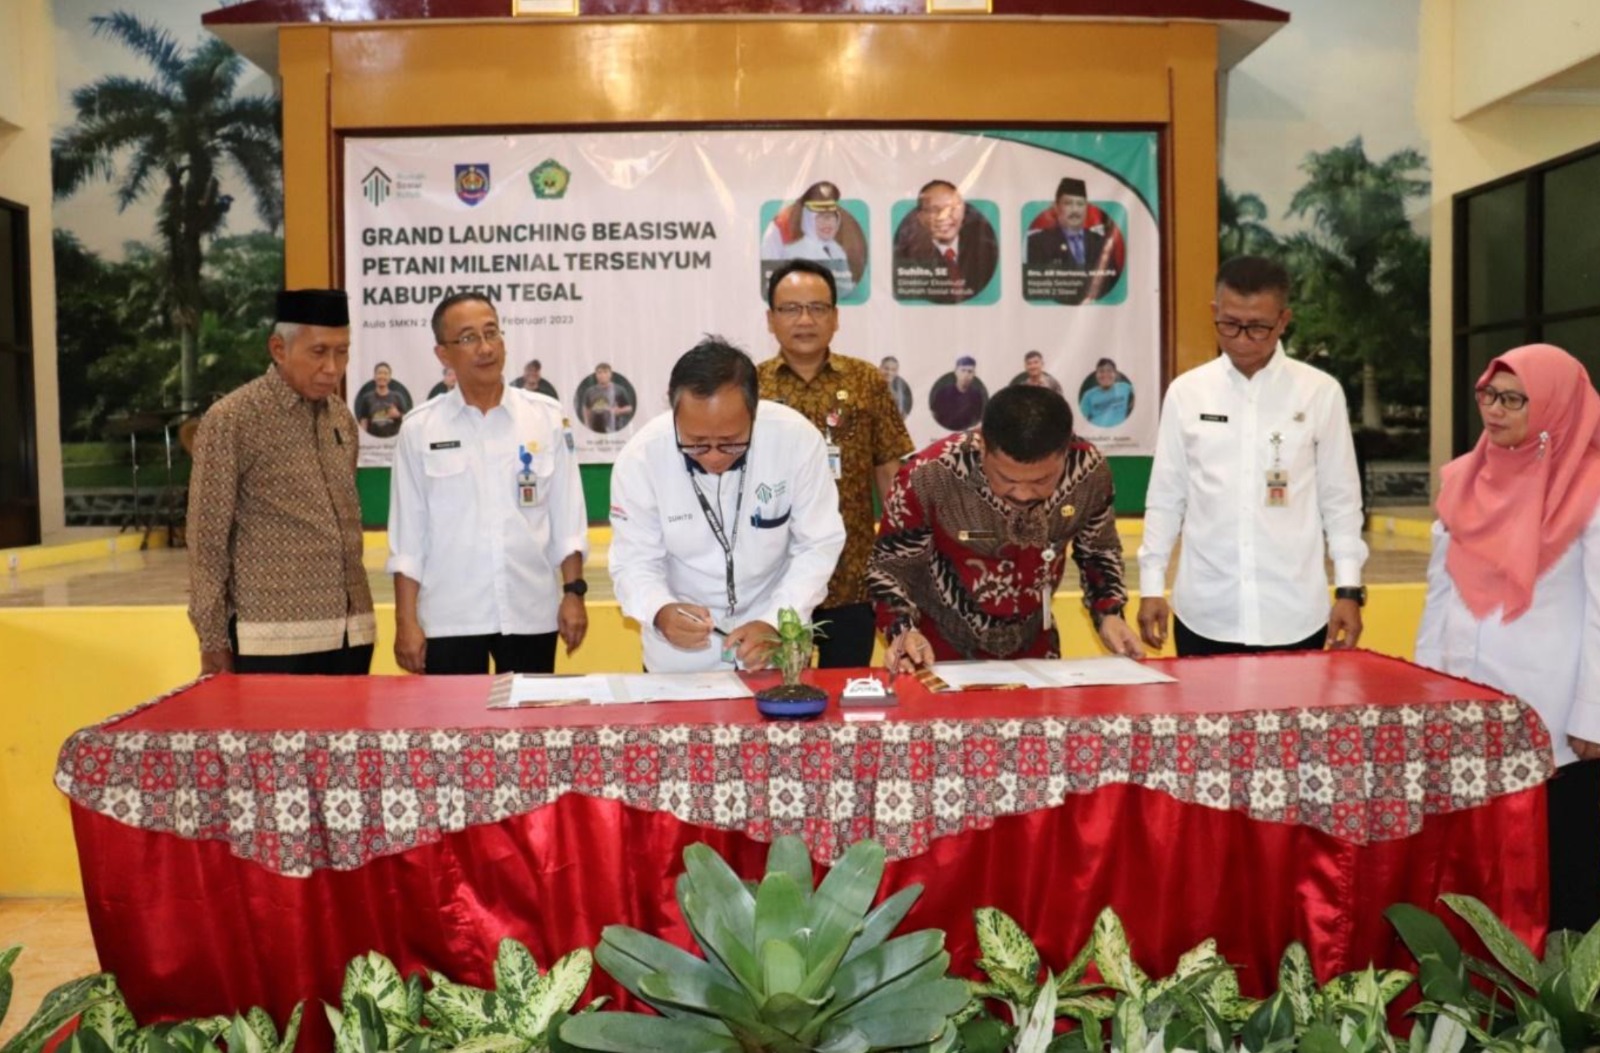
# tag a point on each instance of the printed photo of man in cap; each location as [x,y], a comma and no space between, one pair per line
[1074,256]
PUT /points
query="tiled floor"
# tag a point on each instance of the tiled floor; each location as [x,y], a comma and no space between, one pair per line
[56,947]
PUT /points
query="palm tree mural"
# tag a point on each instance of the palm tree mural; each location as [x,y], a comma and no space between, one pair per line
[1241,226]
[171,135]
[1361,271]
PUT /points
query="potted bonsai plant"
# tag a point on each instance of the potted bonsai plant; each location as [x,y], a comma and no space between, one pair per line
[791,656]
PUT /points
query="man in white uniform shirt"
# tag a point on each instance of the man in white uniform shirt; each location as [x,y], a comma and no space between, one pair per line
[1255,462]
[723,512]
[485,507]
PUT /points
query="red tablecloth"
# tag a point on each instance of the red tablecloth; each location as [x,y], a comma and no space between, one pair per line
[241,839]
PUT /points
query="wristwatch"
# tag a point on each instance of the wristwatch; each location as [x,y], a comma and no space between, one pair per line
[1352,592]
[577,587]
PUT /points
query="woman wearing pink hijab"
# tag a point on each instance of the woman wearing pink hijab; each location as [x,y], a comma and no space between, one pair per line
[1514,587]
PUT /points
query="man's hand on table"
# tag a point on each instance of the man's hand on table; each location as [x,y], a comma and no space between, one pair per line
[410,646]
[216,662]
[1154,617]
[1118,636]
[751,644]
[908,652]
[1344,625]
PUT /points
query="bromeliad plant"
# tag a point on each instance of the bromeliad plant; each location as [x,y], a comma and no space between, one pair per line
[786,968]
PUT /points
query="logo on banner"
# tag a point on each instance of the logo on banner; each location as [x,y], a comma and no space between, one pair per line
[472,183]
[549,180]
[376,186]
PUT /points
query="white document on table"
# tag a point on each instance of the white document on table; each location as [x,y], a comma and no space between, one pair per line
[1040,673]
[678,687]
[528,691]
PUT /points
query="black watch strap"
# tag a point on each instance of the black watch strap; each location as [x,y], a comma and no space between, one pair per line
[578,587]
[1352,592]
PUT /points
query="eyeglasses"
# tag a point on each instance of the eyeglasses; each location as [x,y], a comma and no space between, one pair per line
[1511,400]
[700,449]
[792,311]
[468,341]
[1253,330]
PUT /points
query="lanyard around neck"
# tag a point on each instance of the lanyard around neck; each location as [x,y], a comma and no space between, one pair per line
[719,530]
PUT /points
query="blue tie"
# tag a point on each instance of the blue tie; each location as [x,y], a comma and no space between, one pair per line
[1075,243]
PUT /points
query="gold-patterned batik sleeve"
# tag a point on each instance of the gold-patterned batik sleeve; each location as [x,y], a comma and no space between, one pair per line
[213,497]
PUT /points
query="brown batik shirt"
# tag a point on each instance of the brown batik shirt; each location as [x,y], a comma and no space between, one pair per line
[274,528]
[849,402]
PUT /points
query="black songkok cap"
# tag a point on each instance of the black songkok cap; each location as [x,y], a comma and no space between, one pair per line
[324,307]
[1070,187]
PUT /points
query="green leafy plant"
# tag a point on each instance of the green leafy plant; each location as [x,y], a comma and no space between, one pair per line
[520,1014]
[1532,1003]
[786,968]
[109,1027]
[379,1010]
[58,1009]
[792,644]
[106,1025]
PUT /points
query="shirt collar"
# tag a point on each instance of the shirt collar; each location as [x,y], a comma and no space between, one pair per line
[287,397]
[826,367]
[1273,367]
[457,402]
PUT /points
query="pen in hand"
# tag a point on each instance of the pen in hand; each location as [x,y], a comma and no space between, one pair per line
[693,617]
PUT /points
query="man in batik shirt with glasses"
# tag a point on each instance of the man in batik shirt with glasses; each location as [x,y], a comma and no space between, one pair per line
[1255,466]
[849,402]
[723,512]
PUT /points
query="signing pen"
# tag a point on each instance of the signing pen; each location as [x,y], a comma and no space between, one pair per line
[693,617]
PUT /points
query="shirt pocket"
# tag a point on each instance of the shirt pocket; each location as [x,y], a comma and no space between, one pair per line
[449,481]
[543,467]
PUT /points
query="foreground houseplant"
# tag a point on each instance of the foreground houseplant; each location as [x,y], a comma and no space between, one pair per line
[786,968]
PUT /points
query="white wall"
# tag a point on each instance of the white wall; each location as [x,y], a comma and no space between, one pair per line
[27,99]
[1495,141]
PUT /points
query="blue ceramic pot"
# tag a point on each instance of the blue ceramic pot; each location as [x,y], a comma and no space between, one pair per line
[791,702]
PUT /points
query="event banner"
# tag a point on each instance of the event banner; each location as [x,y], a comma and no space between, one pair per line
[964,261]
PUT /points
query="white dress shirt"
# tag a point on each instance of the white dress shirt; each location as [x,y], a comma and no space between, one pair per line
[1250,573]
[1549,657]
[485,563]
[789,533]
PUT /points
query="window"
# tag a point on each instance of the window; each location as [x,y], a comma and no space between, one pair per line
[19,454]
[1527,270]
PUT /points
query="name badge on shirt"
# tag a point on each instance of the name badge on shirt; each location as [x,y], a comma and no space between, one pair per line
[527,482]
[835,462]
[1277,488]
[1214,418]
[448,444]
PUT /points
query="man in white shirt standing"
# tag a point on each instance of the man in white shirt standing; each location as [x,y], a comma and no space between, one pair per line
[1255,463]
[485,507]
[723,512]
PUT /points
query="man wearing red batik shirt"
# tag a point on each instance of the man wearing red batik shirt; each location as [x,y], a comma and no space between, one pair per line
[976,532]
